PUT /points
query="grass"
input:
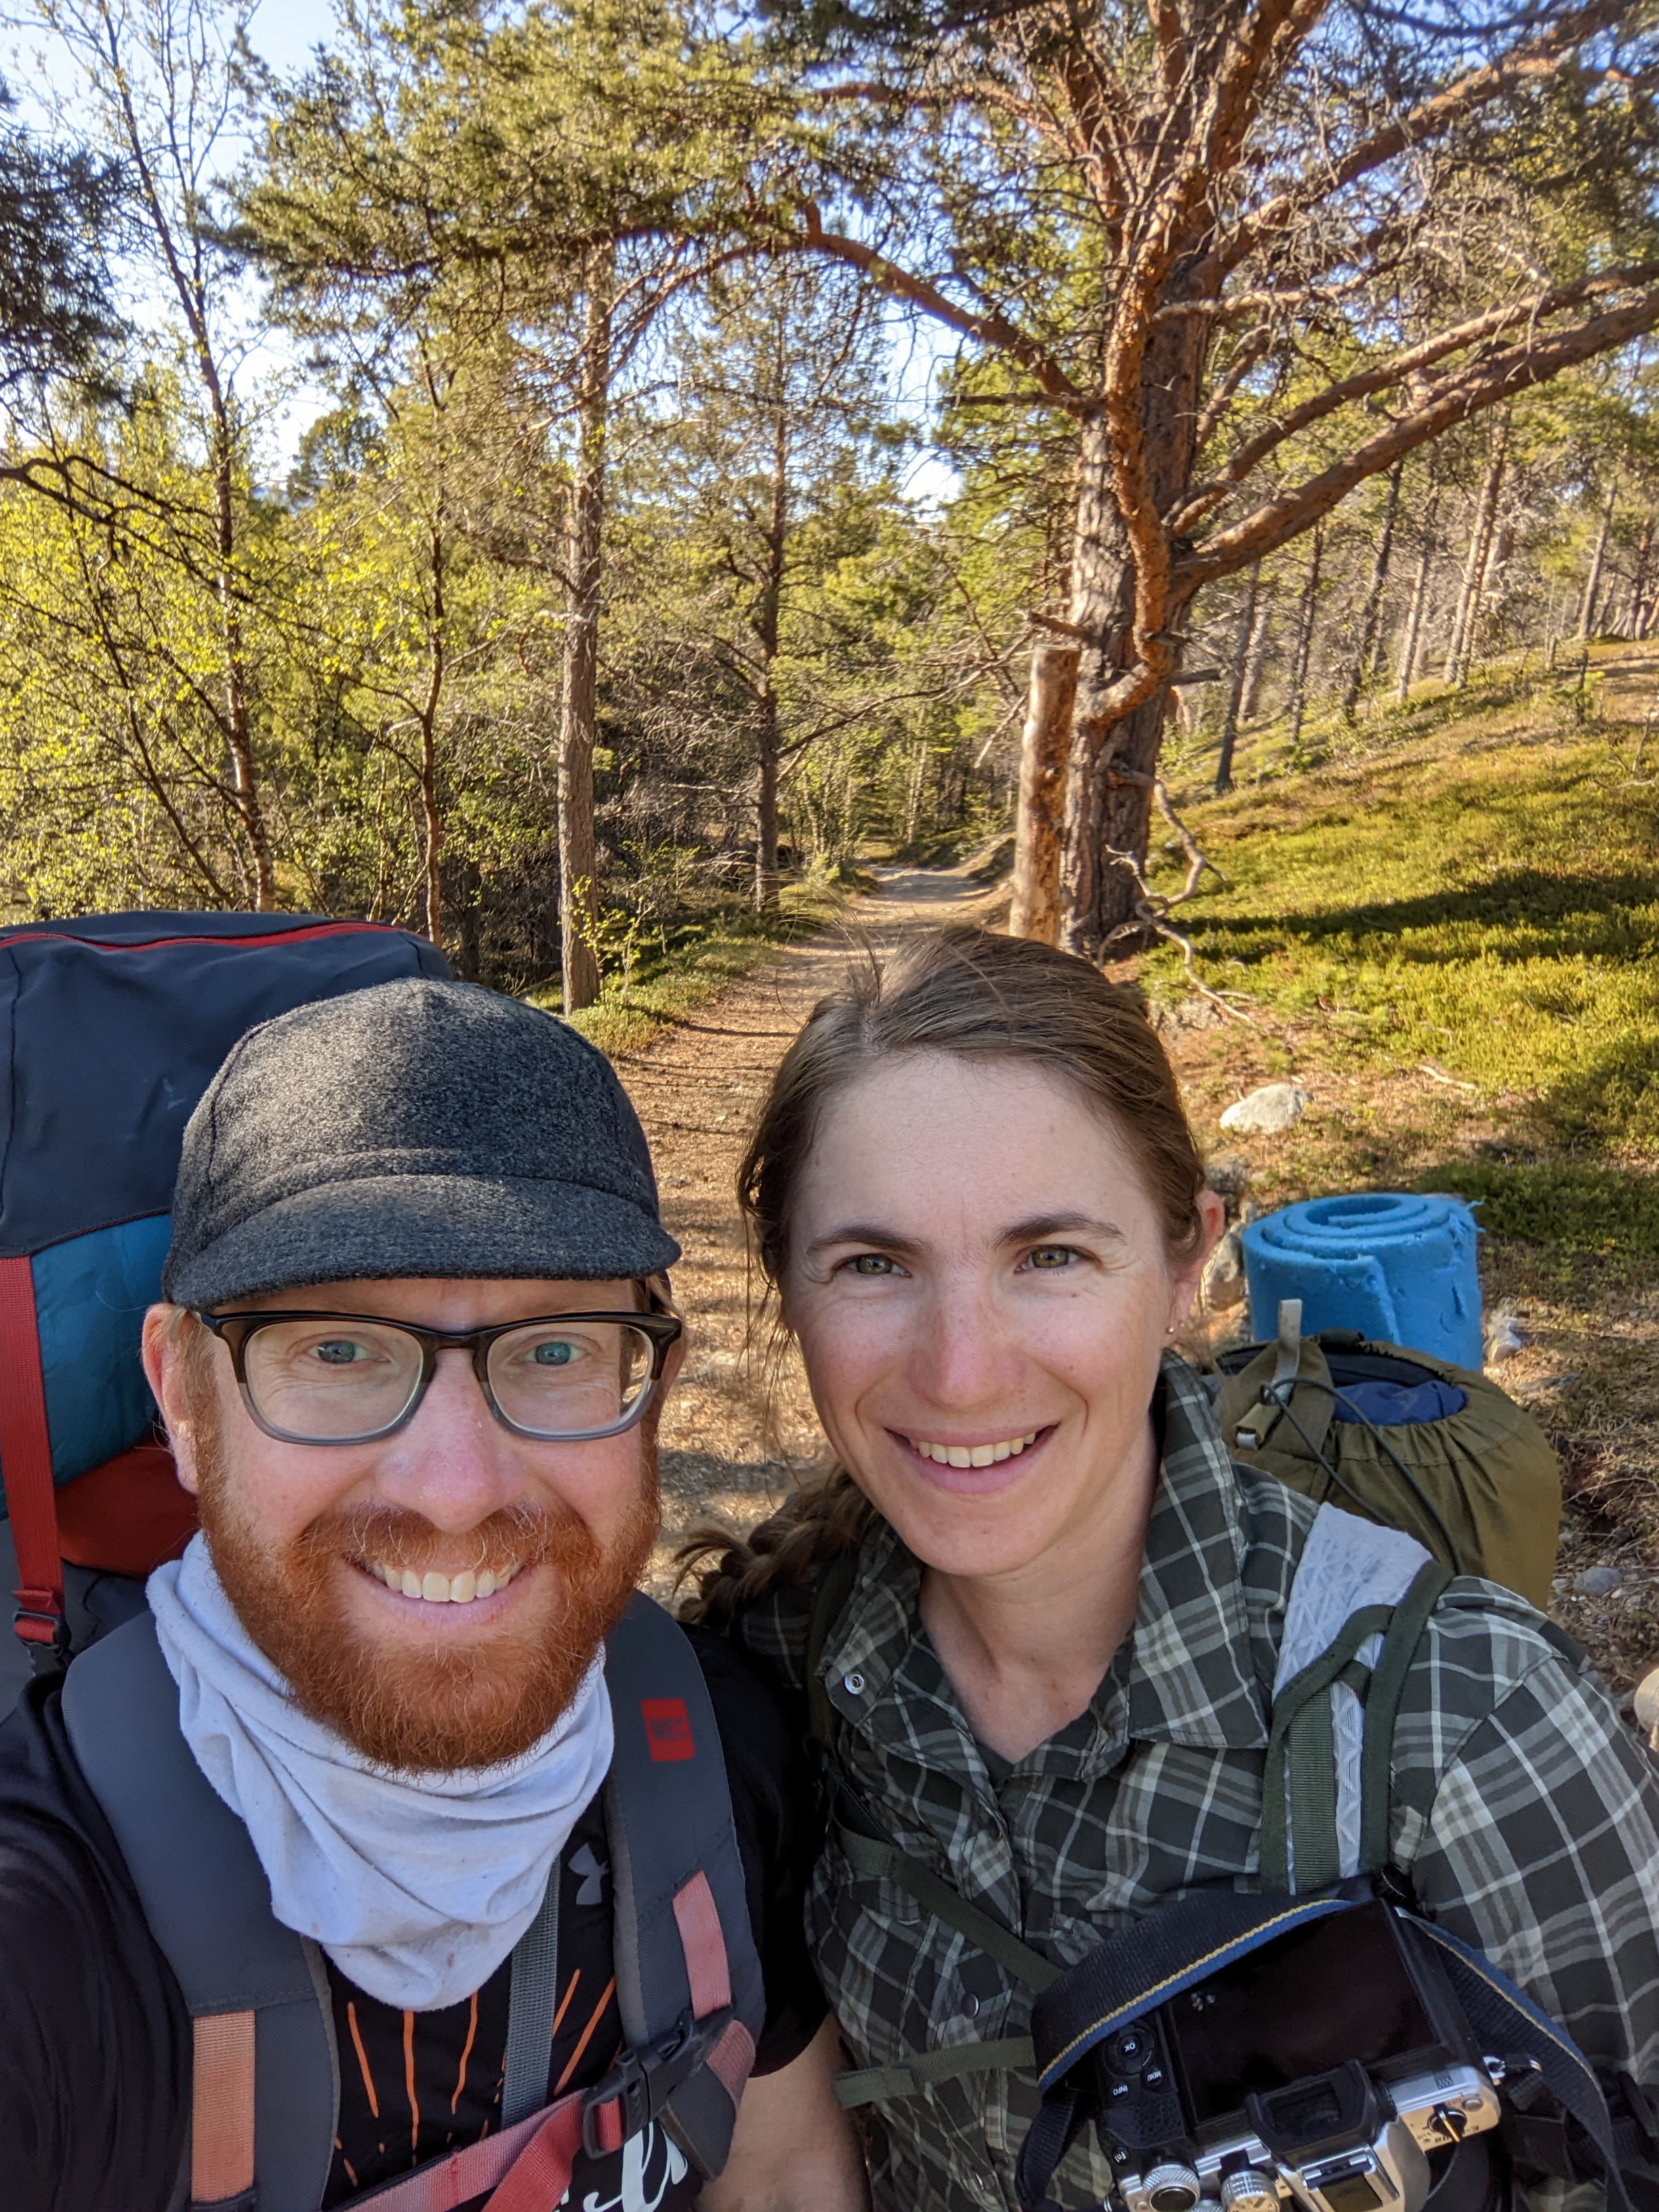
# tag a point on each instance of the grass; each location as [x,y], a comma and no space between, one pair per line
[702,962]
[1471,887]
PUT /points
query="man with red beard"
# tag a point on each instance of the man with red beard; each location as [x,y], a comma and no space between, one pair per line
[413,1360]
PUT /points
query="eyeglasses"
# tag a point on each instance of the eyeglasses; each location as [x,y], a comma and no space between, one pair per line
[331,1378]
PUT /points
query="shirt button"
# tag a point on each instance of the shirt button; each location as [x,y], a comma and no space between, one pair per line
[853,1685]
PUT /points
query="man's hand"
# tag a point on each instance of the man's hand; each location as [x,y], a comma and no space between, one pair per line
[794,2150]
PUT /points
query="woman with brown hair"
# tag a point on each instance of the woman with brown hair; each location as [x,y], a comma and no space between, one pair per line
[1036,1612]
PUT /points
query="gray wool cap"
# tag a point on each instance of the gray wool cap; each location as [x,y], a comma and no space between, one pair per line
[416,1128]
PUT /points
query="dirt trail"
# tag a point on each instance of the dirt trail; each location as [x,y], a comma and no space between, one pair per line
[697,1091]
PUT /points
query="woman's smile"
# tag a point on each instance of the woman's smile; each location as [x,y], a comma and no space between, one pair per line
[975,1470]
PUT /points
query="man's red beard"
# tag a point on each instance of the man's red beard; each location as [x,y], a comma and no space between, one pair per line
[442,1709]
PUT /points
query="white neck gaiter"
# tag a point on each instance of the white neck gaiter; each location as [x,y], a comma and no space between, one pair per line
[417,1886]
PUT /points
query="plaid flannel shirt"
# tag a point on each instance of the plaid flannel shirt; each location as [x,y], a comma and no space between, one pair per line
[1525,1813]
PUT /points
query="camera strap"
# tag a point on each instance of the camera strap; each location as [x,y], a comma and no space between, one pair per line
[1181,1945]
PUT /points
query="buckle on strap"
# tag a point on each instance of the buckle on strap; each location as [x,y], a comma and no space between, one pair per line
[38,1622]
[641,2082]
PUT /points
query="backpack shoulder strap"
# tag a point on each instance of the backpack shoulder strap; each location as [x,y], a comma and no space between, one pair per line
[688,1986]
[265,2131]
[1359,1606]
[835,1587]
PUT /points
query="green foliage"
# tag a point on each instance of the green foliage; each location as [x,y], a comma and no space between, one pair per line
[1484,898]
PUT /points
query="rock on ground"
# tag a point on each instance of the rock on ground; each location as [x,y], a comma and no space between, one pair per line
[1274,1107]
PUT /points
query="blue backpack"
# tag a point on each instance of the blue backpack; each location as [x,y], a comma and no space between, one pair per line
[110,1029]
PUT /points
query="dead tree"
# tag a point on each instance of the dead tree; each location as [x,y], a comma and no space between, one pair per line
[1370,619]
[1307,608]
[1045,749]
[1416,606]
[1223,765]
[1587,605]
[1467,616]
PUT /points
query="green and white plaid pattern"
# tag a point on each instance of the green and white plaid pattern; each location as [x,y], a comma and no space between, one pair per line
[1524,1810]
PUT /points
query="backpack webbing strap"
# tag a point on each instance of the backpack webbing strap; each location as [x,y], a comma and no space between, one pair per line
[527,2166]
[533,1996]
[1386,1688]
[222,2108]
[689,1986]
[886,1862]
[1301,1837]
[835,1588]
[26,1469]
[1298,1786]
[879,2085]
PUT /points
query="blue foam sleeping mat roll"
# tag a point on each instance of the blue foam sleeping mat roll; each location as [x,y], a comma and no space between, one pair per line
[1398,1266]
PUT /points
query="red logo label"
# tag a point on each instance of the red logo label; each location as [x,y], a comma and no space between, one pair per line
[668,1728]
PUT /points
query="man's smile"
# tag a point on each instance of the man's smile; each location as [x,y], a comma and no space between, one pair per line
[435,1589]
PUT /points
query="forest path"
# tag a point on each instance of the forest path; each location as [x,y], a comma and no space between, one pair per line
[698,1089]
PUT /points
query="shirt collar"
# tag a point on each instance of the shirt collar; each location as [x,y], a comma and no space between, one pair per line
[1190,1679]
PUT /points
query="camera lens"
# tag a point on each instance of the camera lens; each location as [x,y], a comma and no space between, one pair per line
[1173,2188]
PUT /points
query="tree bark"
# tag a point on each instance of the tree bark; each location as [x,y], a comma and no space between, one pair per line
[1468,617]
[767,631]
[1256,661]
[238,721]
[1370,619]
[431,812]
[1411,642]
[1107,814]
[1045,750]
[1223,765]
[1298,702]
[1598,560]
[1639,582]
[584,567]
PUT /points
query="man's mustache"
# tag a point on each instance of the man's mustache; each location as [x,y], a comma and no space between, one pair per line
[393,1536]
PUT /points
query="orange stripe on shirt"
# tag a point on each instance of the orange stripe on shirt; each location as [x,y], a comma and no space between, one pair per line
[564,2002]
[471,2031]
[362,2058]
[409,2082]
[586,2036]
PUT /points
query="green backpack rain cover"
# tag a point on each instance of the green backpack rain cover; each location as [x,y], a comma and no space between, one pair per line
[1470,1474]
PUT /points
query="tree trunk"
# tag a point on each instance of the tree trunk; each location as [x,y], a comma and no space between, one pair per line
[1475,569]
[584,558]
[1045,750]
[431,814]
[1257,660]
[1107,813]
[1298,702]
[1411,642]
[239,730]
[1639,582]
[1593,581]
[1223,765]
[1370,619]
[768,626]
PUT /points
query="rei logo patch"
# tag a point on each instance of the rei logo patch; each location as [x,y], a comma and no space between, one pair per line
[668,1728]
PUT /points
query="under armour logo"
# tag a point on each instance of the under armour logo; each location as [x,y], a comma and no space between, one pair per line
[592,1871]
[667,1727]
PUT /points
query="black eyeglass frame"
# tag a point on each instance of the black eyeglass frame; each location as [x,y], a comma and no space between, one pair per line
[664,1329]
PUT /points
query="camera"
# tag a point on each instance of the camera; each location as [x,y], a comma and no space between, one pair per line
[1225,2097]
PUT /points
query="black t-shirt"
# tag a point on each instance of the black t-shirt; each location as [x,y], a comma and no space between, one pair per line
[95,2042]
